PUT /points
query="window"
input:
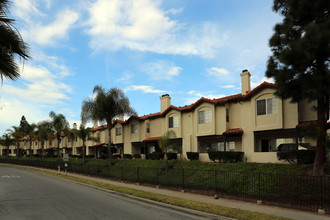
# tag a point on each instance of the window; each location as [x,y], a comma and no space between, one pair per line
[204,116]
[266,106]
[134,128]
[36,143]
[227,115]
[148,127]
[69,139]
[76,139]
[268,145]
[173,122]
[118,131]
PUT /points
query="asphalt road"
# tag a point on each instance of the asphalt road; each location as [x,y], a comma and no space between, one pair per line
[30,195]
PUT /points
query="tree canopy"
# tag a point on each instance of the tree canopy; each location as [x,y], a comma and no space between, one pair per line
[301,58]
[11,45]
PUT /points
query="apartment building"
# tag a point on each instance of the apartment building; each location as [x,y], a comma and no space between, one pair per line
[254,121]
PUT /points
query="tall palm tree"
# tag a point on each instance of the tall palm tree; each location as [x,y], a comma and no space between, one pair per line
[60,126]
[105,107]
[29,132]
[44,132]
[11,45]
[17,133]
[83,133]
[164,144]
[7,141]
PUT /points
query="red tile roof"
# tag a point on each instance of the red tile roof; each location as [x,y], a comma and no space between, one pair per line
[102,127]
[152,139]
[97,145]
[219,101]
[233,131]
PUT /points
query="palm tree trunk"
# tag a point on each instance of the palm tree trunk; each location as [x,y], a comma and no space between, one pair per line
[17,149]
[109,144]
[83,156]
[30,148]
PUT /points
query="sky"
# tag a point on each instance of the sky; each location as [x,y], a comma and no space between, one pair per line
[185,48]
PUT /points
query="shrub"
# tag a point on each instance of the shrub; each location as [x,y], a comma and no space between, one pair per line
[226,156]
[36,155]
[193,155]
[116,156]
[172,156]
[128,156]
[137,156]
[297,156]
[89,156]
[156,156]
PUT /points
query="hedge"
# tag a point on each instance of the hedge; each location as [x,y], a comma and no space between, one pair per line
[172,156]
[193,155]
[137,156]
[226,156]
[156,156]
[297,156]
[128,156]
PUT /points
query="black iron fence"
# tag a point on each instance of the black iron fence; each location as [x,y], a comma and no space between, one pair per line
[292,191]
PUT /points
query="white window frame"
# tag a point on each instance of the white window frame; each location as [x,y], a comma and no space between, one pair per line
[270,106]
[205,116]
[118,131]
[175,122]
[134,128]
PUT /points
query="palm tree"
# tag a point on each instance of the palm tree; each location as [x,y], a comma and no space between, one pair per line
[105,107]
[11,45]
[29,132]
[17,133]
[164,144]
[7,141]
[44,132]
[60,126]
[83,133]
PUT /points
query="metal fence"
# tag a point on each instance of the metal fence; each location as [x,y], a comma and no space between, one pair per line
[292,191]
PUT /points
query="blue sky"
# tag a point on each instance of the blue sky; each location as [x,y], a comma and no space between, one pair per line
[188,49]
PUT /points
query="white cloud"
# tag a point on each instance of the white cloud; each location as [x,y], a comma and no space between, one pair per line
[197,95]
[39,26]
[143,26]
[218,72]
[144,89]
[161,70]
[125,77]
[264,79]
[228,86]
[48,34]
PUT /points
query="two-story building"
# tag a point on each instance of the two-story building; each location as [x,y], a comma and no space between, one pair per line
[254,121]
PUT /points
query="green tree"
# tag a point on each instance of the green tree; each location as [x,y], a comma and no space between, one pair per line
[105,107]
[60,126]
[300,60]
[165,145]
[11,45]
[17,133]
[43,133]
[6,141]
[83,133]
[29,132]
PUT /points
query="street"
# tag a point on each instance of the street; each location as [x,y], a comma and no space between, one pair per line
[30,195]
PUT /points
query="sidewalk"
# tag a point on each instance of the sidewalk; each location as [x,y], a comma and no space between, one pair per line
[277,211]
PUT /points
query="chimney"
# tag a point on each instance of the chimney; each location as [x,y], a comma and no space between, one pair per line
[245,81]
[165,102]
[95,124]
[74,126]
[121,117]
